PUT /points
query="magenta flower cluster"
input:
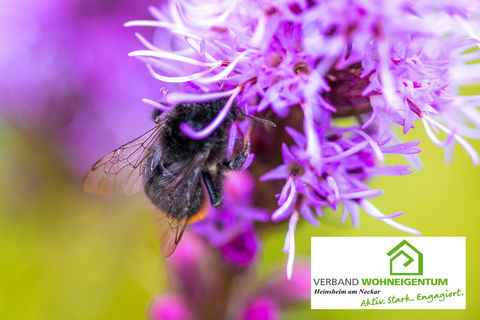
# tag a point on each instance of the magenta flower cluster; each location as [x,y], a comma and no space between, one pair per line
[385,63]
[62,64]
[231,228]
[197,286]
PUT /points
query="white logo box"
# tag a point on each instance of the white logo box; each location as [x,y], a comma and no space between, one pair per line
[388,273]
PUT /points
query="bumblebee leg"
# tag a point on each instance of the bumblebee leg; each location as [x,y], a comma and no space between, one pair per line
[237,162]
[190,188]
[214,184]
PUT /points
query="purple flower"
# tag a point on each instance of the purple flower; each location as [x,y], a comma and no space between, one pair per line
[350,156]
[277,293]
[242,250]
[288,63]
[169,307]
[262,308]
[66,74]
[385,64]
[288,292]
[187,271]
[202,289]
[231,226]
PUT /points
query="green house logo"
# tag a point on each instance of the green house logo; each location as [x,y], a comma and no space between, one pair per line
[405,260]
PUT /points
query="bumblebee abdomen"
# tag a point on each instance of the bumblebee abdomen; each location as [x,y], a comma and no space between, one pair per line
[185,200]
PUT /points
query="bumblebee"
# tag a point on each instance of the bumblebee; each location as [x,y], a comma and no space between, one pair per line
[171,167]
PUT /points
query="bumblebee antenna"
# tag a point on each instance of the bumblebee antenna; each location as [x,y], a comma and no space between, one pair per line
[264,121]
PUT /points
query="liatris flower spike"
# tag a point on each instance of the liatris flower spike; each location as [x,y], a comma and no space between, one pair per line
[202,289]
[386,64]
[231,228]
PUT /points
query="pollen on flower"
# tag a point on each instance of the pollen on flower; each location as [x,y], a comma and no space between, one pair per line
[301,68]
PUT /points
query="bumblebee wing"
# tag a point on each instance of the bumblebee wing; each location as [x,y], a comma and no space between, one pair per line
[169,231]
[121,171]
[178,183]
[179,187]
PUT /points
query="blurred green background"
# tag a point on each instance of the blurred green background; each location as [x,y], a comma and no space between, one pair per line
[66,255]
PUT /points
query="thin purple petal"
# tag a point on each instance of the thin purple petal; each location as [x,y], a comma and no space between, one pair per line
[208,130]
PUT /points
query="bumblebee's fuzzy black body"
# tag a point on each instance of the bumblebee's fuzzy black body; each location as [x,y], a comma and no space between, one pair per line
[177,164]
[170,167]
[198,115]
